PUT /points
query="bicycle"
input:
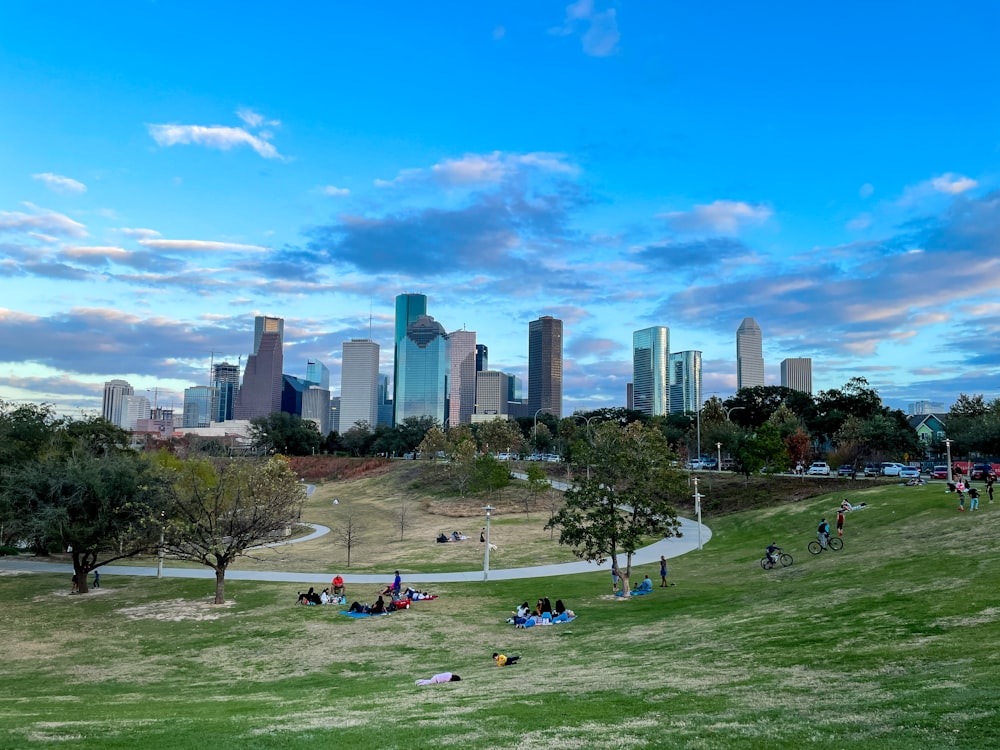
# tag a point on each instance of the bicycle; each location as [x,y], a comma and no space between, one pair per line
[783,558]
[832,542]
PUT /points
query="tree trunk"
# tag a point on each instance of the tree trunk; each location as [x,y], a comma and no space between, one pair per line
[80,573]
[220,585]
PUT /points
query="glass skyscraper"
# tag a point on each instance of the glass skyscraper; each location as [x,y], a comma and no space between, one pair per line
[685,382]
[409,307]
[198,406]
[226,381]
[423,366]
[545,365]
[650,380]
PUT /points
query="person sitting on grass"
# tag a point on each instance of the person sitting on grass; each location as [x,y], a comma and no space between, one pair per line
[378,608]
[561,614]
[358,607]
[338,585]
[505,661]
[645,587]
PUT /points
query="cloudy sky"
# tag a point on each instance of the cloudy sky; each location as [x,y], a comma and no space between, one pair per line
[170,169]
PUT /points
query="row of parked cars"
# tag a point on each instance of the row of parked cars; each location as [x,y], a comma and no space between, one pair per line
[885,469]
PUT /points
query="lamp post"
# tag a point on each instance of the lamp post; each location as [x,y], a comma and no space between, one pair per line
[697,508]
[718,456]
[589,441]
[159,560]
[534,430]
[486,548]
[731,410]
[947,447]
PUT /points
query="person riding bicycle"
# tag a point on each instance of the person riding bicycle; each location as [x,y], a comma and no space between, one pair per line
[823,532]
[772,553]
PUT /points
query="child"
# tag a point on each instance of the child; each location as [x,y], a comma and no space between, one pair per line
[503,660]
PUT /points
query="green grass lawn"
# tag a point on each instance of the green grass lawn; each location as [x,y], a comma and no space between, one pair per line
[890,643]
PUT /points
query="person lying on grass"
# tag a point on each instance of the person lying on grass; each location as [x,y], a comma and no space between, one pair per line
[502,660]
[442,677]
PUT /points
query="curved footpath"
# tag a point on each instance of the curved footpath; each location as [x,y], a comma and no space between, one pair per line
[672,547]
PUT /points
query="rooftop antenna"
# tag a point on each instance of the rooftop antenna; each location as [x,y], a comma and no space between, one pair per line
[369,318]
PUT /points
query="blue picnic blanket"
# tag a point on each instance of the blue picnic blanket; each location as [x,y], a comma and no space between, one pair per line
[361,614]
[637,592]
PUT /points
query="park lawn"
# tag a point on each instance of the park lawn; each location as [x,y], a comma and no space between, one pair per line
[889,643]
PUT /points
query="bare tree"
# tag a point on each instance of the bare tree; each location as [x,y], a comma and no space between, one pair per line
[401,516]
[220,514]
[349,535]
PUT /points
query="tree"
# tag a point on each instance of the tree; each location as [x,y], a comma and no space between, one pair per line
[284,433]
[219,512]
[500,436]
[348,534]
[760,450]
[627,498]
[358,440]
[26,431]
[536,486]
[489,475]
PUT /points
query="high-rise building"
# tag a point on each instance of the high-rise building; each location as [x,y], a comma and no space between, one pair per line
[409,307]
[492,388]
[685,382]
[226,380]
[134,408]
[263,324]
[545,365]
[462,399]
[260,395]
[316,407]
[292,390]
[384,400]
[423,367]
[318,374]
[334,413]
[926,407]
[482,357]
[797,374]
[115,392]
[629,401]
[359,384]
[749,355]
[650,379]
[198,406]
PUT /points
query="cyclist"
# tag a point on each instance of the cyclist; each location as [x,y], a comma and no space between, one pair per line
[772,553]
[823,532]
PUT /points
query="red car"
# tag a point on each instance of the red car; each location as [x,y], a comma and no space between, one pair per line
[940,472]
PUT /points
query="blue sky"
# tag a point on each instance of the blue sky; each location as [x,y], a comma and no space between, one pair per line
[170,169]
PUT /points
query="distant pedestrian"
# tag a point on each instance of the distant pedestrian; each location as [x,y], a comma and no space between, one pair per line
[989,491]
[74,586]
[616,579]
[840,522]
[663,571]
[973,498]
[960,489]
[397,583]
[97,578]
[482,536]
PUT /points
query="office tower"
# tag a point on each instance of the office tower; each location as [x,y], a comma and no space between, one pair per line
[318,374]
[749,355]
[545,360]
[629,402]
[316,407]
[260,395]
[650,380]
[263,324]
[797,374]
[198,406]
[482,357]
[685,382]
[334,413]
[409,307]
[462,399]
[359,392]
[134,408]
[292,389]
[384,400]
[926,407]
[423,366]
[226,380]
[115,392]
[492,389]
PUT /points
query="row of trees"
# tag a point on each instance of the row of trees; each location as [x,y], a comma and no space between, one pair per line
[75,486]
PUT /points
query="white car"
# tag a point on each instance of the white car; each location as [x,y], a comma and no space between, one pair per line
[892,469]
[909,472]
[819,468]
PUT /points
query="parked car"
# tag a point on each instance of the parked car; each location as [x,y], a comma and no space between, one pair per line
[909,472]
[891,468]
[695,465]
[939,472]
[819,468]
[845,470]
[871,470]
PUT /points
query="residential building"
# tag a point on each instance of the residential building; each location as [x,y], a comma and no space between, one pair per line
[797,374]
[226,381]
[685,382]
[198,406]
[115,392]
[749,355]
[930,428]
[359,384]
[650,379]
[260,395]
[423,367]
[545,365]
[462,399]
[409,307]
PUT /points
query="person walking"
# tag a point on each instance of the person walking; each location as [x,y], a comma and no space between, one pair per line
[973,498]
[663,571]
[960,489]
[616,578]
[840,522]
[97,578]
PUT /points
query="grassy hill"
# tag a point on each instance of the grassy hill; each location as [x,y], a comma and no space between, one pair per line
[890,643]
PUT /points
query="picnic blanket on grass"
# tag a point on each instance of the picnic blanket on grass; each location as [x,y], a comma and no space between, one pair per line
[633,593]
[362,614]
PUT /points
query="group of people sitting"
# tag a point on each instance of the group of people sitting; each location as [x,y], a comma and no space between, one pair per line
[311,598]
[380,607]
[456,536]
[543,614]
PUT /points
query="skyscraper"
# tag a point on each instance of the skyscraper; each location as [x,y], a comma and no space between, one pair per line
[685,382]
[545,365]
[492,387]
[115,392]
[409,307]
[260,395]
[462,399]
[263,324]
[749,355]
[134,408]
[226,381]
[650,379]
[198,406]
[359,384]
[316,407]
[423,367]
[482,357]
[318,374]
[797,373]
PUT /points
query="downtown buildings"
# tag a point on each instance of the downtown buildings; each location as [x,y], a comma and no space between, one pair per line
[749,355]
[663,382]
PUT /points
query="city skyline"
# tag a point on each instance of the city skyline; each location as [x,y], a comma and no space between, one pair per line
[804,170]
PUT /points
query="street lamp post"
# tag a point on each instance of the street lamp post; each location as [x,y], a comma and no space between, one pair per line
[947,447]
[159,561]
[731,410]
[697,508]
[589,440]
[718,456]
[486,548]
[534,430]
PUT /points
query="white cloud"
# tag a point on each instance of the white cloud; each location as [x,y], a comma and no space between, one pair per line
[201,246]
[478,169]
[109,252]
[334,191]
[859,222]
[59,184]
[598,30]
[866,190]
[720,216]
[952,183]
[43,221]
[213,136]
[255,119]
[143,234]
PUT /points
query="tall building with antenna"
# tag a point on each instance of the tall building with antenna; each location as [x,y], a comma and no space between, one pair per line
[225,384]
